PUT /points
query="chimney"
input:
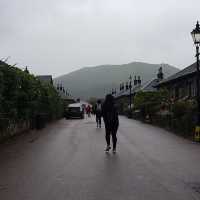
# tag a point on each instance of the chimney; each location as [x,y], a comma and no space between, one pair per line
[135,81]
[58,86]
[61,87]
[139,80]
[121,87]
[127,87]
[160,74]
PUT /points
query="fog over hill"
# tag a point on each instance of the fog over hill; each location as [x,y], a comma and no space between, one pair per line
[99,80]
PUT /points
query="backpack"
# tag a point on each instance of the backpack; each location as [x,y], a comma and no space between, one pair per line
[98,107]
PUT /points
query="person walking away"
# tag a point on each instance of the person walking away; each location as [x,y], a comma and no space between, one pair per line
[88,110]
[111,120]
[98,113]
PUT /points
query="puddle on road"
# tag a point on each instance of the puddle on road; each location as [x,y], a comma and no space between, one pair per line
[90,123]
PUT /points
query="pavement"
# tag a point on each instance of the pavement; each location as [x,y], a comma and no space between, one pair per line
[66,161]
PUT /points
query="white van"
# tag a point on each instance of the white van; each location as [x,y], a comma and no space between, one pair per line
[74,110]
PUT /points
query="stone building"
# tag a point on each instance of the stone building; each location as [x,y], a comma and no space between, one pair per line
[64,94]
[123,97]
[181,85]
[150,86]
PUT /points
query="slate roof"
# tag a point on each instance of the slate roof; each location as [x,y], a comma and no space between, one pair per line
[185,72]
[2,63]
[150,85]
[45,78]
[127,92]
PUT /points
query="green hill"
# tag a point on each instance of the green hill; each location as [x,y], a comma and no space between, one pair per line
[97,81]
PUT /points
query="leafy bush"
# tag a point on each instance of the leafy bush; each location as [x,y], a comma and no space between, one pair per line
[184,114]
[149,103]
[180,108]
[179,116]
[23,96]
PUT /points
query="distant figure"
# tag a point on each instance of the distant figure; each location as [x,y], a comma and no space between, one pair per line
[83,108]
[88,110]
[98,113]
[111,120]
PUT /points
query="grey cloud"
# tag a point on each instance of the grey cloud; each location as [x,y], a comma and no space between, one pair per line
[57,37]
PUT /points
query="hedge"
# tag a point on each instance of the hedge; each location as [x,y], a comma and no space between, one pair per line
[23,96]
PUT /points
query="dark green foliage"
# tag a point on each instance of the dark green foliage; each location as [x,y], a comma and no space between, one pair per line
[22,96]
[179,108]
[150,98]
[184,114]
[178,116]
[149,103]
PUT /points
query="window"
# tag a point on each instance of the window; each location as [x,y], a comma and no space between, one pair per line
[189,89]
[176,92]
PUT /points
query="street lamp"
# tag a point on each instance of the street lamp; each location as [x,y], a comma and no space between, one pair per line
[130,99]
[196,38]
[112,92]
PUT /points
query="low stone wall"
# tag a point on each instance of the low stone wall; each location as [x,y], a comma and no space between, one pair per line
[183,125]
[14,129]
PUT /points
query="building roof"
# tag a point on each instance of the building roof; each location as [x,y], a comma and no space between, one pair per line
[185,72]
[127,92]
[2,63]
[45,78]
[150,85]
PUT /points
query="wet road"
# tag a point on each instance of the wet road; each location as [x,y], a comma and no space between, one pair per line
[66,161]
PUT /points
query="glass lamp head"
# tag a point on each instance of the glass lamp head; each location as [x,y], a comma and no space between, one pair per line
[196,34]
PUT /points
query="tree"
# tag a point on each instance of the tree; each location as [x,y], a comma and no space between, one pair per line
[151,102]
[23,96]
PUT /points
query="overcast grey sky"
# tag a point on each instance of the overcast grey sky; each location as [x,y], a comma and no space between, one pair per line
[59,36]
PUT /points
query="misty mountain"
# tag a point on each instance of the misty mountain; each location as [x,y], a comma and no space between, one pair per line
[98,81]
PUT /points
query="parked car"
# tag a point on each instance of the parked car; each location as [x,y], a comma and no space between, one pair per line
[74,111]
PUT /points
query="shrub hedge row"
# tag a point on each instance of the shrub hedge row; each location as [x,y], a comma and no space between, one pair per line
[157,108]
[23,97]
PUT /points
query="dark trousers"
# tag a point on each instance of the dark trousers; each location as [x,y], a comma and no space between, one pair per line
[98,120]
[114,137]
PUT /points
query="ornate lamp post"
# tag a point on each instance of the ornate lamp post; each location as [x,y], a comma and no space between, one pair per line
[112,92]
[196,38]
[130,99]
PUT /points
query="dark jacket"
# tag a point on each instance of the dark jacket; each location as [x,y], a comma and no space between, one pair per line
[98,112]
[110,117]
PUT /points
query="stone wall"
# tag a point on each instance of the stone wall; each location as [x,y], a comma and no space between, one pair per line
[14,129]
